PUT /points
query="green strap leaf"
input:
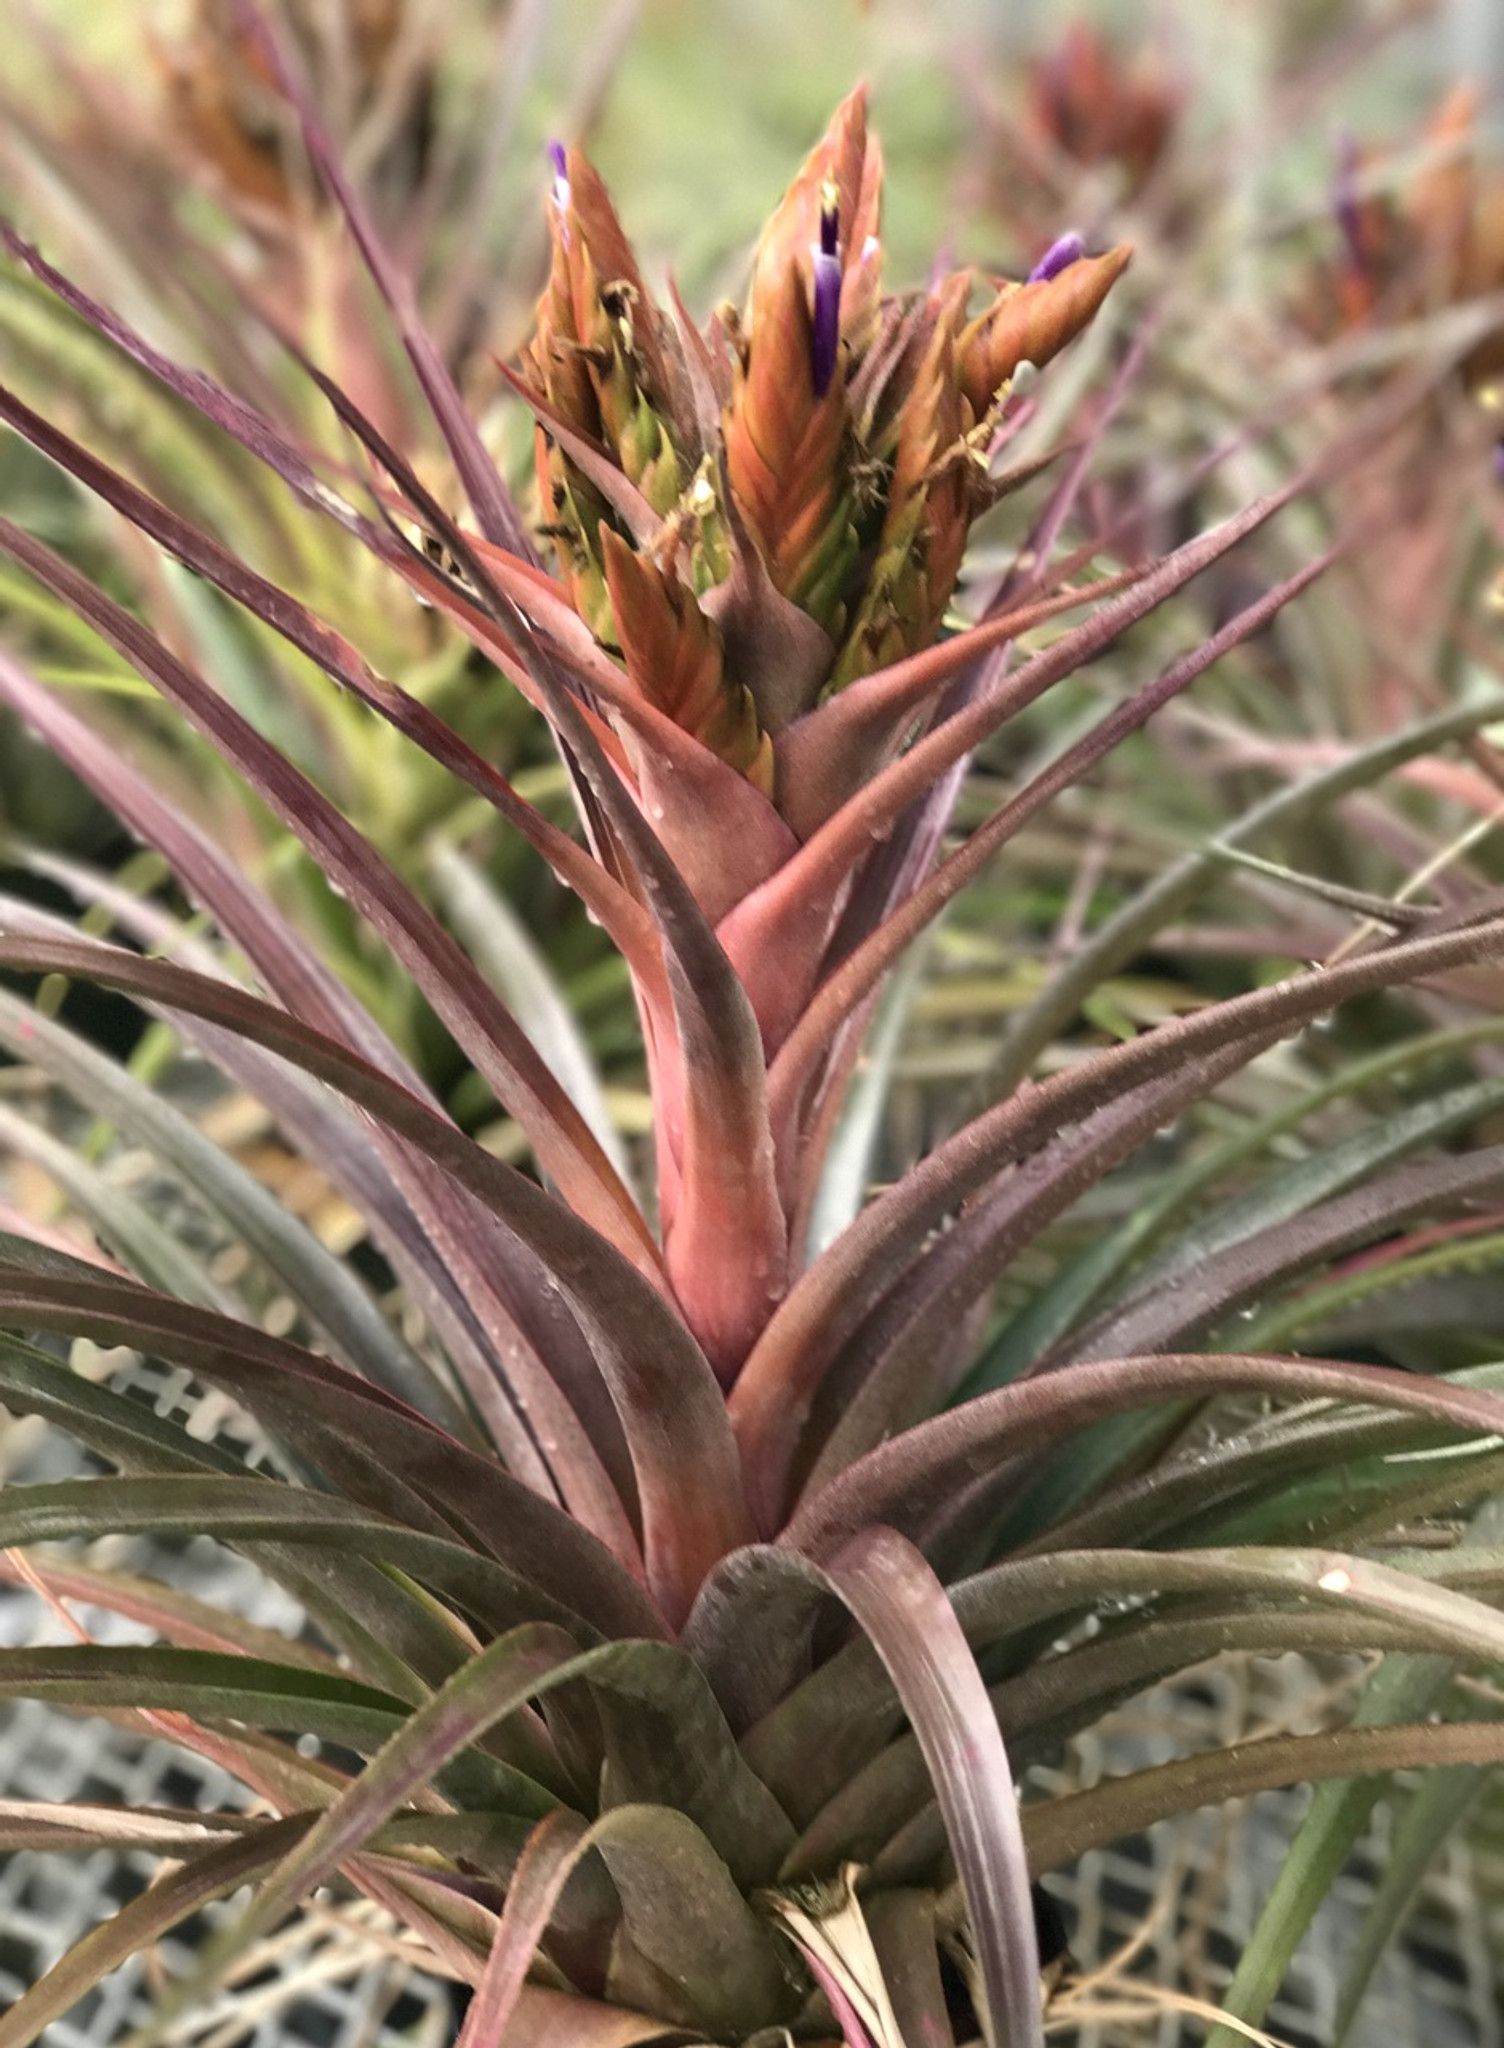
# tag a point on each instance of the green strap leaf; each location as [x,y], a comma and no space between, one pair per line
[322,1285]
[1059,1830]
[389,1632]
[240,1510]
[1431,1817]
[1060,1305]
[205,1685]
[958,1462]
[683,1913]
[1171,892]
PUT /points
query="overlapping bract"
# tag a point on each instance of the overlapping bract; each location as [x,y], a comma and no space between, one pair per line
[823,454]
[1099,105]
[1413,245]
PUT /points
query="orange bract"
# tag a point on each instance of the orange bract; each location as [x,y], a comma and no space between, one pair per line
[802,477]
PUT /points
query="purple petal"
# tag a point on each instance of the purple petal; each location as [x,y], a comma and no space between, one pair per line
[1345,200]
[827,261]
[558,156]
[827,328]
[1061,254]
[830,221]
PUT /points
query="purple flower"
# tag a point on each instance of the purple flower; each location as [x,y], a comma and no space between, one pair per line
[558,156]
[1345,201]
[827,324]
[1061,254]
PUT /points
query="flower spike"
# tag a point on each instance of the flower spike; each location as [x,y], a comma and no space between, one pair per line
[750,519]
[1032,322]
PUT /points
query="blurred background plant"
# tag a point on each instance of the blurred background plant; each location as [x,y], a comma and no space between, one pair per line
[1313,247]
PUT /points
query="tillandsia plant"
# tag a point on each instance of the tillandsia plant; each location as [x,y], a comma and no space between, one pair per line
[679,1583]
[1414,243]
[1099,106]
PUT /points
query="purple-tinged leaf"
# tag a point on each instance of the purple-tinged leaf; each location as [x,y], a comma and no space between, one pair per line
[380,1452]
[480,1022]
[826,755]
[771,644]
[232,415]
[462,1266]
[680,783]
[860,972]
[710,1080]
[904,1610]
[1129,929]
[522,1667]
[847,1282]
[1244,1271]
[792,913]
[462,1272]
[457,1928]
[1269,1461]
[1304,1600]
[891,1372]
[916,1480]
[668,1744]
[689,1477]
[47,1824]
[498,1682]
[751,1628]
[684,1915]
[175,1616]
[903,1926]
[392,1636]
[243,1511]
[896,867]
[546,1865]
[725,1239]
[878,1367]
[204,1686]
[324,1287]
[885,1814]
[246,916]
[332,653]
[824,1732]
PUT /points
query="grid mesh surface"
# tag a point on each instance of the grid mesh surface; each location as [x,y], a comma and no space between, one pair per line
[1186,1894]
[1190,1890]
[341,1981]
